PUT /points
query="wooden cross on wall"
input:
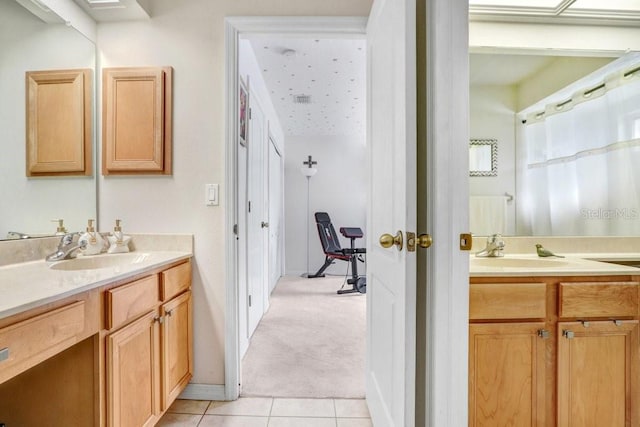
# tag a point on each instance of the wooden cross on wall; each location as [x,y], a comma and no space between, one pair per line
[310,162]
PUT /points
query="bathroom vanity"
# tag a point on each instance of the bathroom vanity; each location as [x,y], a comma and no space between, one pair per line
[99,341]
[553,342]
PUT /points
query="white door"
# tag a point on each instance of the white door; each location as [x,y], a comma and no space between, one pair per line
[256,215]
[241,238]
[391,277]
[275,215]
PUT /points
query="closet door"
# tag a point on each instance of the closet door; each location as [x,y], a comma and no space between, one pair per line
[275,215]
[257,220]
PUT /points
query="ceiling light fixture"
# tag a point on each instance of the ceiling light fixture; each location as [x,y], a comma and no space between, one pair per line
[289,53]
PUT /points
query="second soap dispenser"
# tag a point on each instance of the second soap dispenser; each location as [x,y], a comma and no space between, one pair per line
[95,243]
[118,242]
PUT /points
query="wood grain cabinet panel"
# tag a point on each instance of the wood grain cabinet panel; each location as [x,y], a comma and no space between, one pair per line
[133,363]
[614,299]
[29,342]
[507,301]
[506,374]
[177,342]
[175,281]
[58,123]
[126,302]
[136,121]
[598,374]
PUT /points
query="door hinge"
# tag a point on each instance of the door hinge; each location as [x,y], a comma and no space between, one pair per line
[249,113]
[235,229]
[249,204]
[249,300]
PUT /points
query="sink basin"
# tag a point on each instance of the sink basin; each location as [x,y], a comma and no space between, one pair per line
[518,262]
[100,261]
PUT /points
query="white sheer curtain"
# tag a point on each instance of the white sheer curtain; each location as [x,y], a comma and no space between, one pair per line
[581,171]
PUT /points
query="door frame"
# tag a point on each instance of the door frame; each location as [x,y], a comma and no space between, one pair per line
[443,289]
[234,28]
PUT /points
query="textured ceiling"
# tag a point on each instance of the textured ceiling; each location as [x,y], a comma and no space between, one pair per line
[331,72]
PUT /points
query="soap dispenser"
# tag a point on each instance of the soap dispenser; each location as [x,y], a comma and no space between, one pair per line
[60,230]
[118,242]
[95,243]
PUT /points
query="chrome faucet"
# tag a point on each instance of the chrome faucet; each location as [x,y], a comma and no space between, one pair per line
[67,246]
[495,246]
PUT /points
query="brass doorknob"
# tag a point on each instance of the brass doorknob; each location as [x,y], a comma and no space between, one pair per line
[387,240]
[424,240]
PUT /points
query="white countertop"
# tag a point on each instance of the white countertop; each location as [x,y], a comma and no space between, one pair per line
[520,265]
[27,285]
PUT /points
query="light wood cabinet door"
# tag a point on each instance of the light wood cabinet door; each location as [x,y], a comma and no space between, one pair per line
[177,346]
[507,374]
[59,122]
[136,120]
[598,374]
[133,371]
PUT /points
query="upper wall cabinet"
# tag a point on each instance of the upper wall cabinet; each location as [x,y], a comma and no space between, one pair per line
[136,120]
[59,125]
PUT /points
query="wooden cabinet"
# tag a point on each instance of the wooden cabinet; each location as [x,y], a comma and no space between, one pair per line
[136,120]
[598,373]
[507,354]
[506,374]
[554,351]
[59,122]
[133,360]
[177,341]
[149,351]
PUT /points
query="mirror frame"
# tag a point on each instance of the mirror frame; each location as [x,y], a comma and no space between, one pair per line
[493,143]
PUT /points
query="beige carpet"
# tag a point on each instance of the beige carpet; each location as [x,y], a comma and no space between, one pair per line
[311,342]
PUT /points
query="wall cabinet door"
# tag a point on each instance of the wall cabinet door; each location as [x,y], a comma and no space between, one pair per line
[177,345]
[507,374]
[598,374]
[133,366]
[136,120]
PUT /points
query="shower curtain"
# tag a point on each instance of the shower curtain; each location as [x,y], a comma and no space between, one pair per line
[580,165]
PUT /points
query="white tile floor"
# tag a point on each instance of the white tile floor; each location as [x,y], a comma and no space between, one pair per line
[268,412]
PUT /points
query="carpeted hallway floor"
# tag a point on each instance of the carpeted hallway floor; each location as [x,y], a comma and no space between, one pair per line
[311,342]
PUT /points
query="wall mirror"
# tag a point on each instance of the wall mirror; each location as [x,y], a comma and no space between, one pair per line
[27,43]
[483,157]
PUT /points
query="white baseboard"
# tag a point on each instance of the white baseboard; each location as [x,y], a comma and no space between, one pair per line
[203,392]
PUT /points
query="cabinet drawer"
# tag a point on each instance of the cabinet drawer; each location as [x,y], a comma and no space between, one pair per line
[129,301]
[507,301]
[27,343]
[593,299]
[176,280]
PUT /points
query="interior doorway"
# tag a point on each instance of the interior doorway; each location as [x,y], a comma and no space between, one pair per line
[305,97]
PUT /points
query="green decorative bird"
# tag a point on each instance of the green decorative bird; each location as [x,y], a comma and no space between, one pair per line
[542,252]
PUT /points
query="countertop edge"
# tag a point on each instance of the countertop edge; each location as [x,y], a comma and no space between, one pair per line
[17,309]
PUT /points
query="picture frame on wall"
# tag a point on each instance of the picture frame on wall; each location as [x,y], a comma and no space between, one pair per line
[243,113]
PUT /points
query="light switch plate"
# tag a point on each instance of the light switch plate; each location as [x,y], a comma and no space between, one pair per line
[211,195]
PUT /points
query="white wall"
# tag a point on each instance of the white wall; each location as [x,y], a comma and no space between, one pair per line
[189,35]
[250,71]
[339,188]
[492,116]
[559,74]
